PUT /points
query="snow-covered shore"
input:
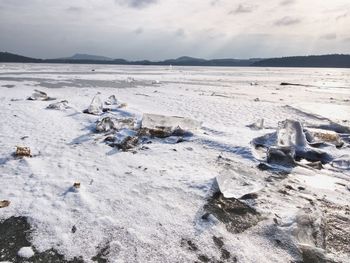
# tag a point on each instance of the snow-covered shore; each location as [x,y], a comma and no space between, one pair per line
[148,205]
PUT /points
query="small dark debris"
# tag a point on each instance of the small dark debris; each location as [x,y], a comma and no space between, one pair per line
[225,254]
[289,187]
[218,241]
[249,196]
[9,86]
[189,244]
[203,258]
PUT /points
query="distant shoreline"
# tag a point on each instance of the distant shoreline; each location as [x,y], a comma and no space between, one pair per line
[321,61]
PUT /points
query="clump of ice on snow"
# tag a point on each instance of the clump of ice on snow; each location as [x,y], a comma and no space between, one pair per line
[61,105]
[155,121]
[25,252]
[96,106]
[39,95]
[290,133]
[112,100]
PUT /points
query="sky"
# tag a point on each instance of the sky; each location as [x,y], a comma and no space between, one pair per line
[161,29]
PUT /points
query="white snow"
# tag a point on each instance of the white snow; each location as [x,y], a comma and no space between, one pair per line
[143,204]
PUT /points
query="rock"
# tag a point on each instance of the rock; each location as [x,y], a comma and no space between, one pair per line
[4,203]
[281,156]
[76,185]
[322,136]
[23,151]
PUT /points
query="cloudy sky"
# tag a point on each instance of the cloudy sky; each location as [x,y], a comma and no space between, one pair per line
[159,29]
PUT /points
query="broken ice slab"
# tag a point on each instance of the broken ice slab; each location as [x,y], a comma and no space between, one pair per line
[39,95]
[109,123]
[155,121]
[290,133]
[238,181]
[95,106]
[61,105]
[258,125]
[342,163]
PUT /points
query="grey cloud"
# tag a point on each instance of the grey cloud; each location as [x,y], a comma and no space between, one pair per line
[214,2]
[287,21]
[342,16]
[138,31]
[74,9]
[180,32]
[330,36]
[241,9]
[136,3]
[287,2]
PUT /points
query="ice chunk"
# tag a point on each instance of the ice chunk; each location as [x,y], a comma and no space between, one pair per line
[258,125]
[290,133]
[61,105]
[154,121]
[108,123]
[342,163]
[25,252]
[96,107]
[39,95]
[112,100]
[239,181]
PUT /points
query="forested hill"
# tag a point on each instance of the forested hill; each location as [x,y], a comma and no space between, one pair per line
[323,61]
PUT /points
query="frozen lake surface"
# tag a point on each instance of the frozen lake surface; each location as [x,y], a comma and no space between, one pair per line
[158,200]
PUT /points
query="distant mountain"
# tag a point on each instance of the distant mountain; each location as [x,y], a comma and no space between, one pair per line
[322,61]
[326,61]
[9,57]
[79,56]
[190,61]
